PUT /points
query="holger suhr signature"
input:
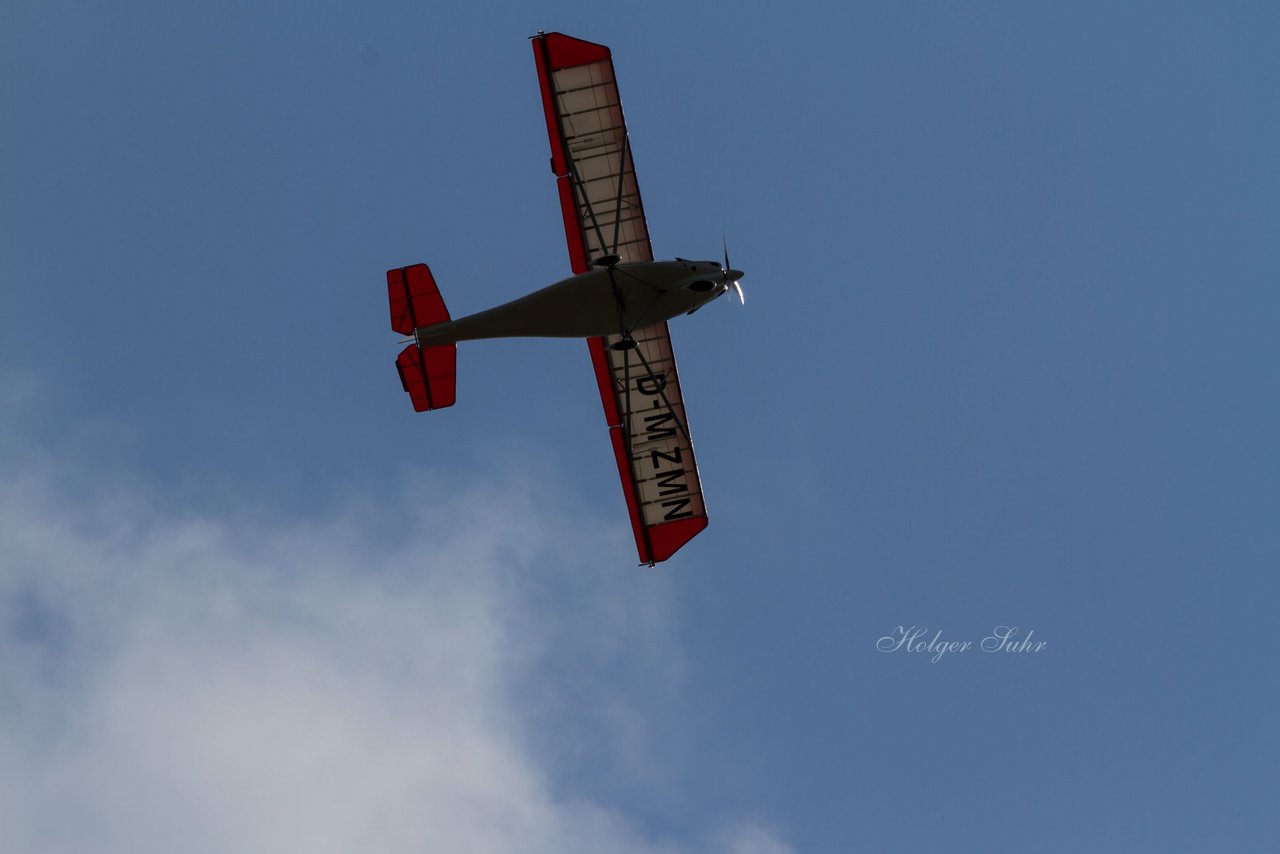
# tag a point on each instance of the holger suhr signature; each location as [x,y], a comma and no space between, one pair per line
[916,639]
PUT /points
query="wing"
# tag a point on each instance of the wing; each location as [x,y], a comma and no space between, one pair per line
[603,215]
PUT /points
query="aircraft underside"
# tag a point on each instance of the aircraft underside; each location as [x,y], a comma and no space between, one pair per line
[587,305]
[619,300]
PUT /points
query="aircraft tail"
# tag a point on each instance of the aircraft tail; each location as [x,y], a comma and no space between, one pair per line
[428,374]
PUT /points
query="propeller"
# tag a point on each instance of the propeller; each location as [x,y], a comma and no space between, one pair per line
[731,276]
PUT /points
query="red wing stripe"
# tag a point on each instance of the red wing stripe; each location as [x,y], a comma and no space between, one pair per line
[604,378]
[542,57]
[572,230]
[623,457]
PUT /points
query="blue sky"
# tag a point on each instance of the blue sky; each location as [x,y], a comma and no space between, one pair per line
[1008,358]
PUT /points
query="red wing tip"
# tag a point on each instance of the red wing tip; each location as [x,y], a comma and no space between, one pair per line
[668,538]
[567,52]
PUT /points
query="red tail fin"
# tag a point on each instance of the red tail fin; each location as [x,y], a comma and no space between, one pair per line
[427,374]
[415,299]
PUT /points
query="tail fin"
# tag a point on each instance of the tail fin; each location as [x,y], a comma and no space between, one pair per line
[415,299]
[427,374]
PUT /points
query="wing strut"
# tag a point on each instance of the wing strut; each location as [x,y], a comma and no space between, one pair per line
[662,392]
[586,200]
[609,260]
[617,212]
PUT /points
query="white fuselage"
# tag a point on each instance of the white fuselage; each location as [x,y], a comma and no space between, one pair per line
[585,305]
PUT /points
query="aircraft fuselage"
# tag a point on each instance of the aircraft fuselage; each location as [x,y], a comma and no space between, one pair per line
[585,305]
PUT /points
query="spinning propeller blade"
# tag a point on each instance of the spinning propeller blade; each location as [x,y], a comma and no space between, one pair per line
[731,276]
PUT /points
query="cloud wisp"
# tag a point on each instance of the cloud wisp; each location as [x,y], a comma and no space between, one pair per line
[176,682]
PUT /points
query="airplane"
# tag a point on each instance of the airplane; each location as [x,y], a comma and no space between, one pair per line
[618,298]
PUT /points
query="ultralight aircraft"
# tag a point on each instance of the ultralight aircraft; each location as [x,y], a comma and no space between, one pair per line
[619,299]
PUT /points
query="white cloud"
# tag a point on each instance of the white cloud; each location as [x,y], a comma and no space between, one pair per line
[171,682]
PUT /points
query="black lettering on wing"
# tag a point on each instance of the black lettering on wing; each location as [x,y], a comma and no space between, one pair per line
[652,384]
[671,483]
[673,457]
[654,426]
[677,510]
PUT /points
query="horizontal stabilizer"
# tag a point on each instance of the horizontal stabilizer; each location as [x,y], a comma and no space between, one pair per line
[415,299]
[428,375]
